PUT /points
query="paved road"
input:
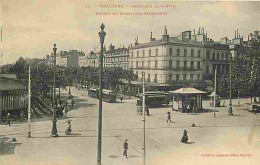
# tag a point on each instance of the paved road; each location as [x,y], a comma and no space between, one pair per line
[212,141]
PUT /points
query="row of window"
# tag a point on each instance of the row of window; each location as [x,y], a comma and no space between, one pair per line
[220,68]
[112,54]
[185,64]
[116,59]
[217,56]
[176,77]
[178,53]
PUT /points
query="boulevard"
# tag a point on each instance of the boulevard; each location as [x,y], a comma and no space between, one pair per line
[226,139]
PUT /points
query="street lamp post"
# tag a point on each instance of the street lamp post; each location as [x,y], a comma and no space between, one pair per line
[29,103]
[144,108]
[215,91]
[54,127]
[230,90]
[102,35]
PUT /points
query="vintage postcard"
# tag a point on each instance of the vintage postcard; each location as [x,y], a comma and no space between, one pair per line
[129,82]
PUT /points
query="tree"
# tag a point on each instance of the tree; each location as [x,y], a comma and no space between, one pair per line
[246,66]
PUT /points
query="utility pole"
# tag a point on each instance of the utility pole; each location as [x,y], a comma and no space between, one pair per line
[230,84]
[102,35]
[1,63]
[54,121]
[215,91]
[144,154]
[29,103]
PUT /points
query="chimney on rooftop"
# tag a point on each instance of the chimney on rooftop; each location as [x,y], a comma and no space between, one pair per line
[151,37]
[136,41]
[165,37]
[111,47]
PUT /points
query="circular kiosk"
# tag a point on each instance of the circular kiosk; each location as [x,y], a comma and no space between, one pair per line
[187,99]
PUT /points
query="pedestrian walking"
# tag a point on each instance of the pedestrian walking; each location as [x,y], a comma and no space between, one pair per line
[68,130]
[21,115]
[147,111]
[121,98]
[185,138]
[72,103]
[125,148]
[169,117]
[8,119]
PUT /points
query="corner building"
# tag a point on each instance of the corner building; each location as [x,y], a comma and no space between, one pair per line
[172,62]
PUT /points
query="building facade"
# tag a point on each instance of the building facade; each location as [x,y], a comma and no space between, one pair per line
[175,61]
[92,59]
[116,57]
[66,58]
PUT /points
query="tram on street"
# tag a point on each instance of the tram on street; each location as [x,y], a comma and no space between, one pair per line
[154,99]
[108,95]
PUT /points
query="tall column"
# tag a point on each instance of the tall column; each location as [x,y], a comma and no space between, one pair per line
[102,35]
[54,121]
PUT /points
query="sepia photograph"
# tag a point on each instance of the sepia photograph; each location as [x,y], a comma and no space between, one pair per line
[129,82]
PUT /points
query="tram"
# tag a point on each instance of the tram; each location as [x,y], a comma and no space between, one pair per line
[154,99]
[108,95]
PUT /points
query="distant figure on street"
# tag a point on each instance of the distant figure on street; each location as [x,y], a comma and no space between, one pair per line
[8,119]
[147,111]
[169,118]
[72,103]
[255,101]
[188,109]
[121,98]
[185,138]
[64,111]
[68,130]
[125,148]
[21,115]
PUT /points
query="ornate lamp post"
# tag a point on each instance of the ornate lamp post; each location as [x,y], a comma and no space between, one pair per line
[54,127]
[102,35]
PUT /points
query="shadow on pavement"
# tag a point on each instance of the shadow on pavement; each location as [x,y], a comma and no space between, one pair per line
[190,142]
[113,156]
[7,147]
[133,156]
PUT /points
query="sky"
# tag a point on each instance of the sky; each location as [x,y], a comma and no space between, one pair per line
[31,27]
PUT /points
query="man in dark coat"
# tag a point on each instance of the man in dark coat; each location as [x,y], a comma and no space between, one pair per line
[169,118]
[147,111]
[185,138]
[125,148]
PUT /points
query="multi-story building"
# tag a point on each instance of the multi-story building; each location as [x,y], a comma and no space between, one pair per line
[92,59]
[175,61]
[66,58]
[116,57]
